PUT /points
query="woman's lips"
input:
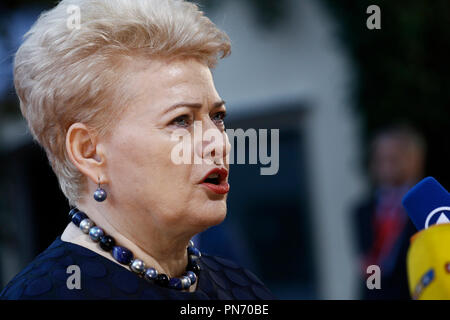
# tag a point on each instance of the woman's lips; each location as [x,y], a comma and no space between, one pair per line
[221,188]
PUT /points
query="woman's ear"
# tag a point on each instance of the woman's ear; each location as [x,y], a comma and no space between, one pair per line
[83,151]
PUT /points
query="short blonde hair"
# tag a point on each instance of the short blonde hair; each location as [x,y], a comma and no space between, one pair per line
[64,75]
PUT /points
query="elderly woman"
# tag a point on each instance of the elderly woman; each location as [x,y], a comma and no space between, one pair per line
[109,100]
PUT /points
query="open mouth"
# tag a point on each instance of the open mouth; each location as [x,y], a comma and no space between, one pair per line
[216,181]
[213,178]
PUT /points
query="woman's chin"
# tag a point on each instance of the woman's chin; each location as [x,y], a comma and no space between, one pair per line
[210,217]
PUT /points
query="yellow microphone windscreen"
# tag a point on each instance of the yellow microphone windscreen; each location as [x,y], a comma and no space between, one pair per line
[428,263]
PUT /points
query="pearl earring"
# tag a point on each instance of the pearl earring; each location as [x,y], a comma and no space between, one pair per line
[100,194]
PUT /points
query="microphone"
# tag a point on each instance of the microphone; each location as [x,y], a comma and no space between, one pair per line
[428,259]
[427,203]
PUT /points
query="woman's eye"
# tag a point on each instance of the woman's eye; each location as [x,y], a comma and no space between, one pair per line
[219,117]
[181,121]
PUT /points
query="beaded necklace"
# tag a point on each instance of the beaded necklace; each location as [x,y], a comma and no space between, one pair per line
[126,257]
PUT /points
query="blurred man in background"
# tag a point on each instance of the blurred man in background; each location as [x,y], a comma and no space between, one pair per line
[382,227]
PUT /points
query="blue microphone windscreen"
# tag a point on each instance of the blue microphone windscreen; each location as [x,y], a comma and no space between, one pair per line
[427,203]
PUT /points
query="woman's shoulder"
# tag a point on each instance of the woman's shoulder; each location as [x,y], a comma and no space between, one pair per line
[233,280]
[66,271]
[46,277]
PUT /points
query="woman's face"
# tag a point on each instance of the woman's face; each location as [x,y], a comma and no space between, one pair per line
[143,178]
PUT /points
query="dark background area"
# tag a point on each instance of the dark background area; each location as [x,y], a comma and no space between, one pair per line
[403,70]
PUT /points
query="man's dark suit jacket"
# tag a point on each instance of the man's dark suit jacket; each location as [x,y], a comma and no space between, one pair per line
[394,285]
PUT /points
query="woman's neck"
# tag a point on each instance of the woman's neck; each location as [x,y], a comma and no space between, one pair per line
[167,256]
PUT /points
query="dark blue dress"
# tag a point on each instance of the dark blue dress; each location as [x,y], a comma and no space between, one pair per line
[46,278]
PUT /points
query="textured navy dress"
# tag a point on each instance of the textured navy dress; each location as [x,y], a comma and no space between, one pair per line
[101,278]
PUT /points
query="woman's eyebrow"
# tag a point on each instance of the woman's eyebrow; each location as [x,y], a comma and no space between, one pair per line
[215,105]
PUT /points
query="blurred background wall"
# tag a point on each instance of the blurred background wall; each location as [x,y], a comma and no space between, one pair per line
[309,68]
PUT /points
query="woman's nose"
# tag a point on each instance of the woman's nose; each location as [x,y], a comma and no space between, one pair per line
[213,146]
